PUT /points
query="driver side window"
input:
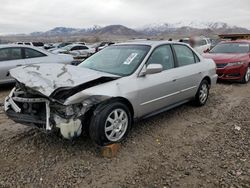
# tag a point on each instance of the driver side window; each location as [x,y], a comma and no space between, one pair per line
[162,55]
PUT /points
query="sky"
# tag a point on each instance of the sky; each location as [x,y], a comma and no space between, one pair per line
[25,16]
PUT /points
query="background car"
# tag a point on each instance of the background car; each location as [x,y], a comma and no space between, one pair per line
[232,59]
[200,44]
[36,44]
[12,56]
[48,46]
[59,45]
[103,45]
[75,49]
[111,89]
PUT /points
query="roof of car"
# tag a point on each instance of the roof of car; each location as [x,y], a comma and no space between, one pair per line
[236,41]
[76,44]
[149,43]
[21,45]
[14,45]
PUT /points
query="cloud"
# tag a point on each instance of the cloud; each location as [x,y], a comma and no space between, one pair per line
[35,15]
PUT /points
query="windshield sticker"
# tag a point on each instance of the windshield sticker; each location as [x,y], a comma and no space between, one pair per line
[130,59]
[243,45]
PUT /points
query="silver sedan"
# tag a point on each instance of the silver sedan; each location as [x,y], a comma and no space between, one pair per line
[111,89]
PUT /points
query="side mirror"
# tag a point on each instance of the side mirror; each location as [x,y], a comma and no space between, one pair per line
[207,51]
[151,69]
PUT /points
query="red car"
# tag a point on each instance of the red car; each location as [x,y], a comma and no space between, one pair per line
[232,59]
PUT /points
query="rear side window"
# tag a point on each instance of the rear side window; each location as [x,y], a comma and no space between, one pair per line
[74,48]
[38,44]
[31,53]
[162,55]
[82,47]
[79,48]
[184,55]
[7,54]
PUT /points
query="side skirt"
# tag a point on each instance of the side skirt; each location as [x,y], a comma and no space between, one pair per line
[162,110]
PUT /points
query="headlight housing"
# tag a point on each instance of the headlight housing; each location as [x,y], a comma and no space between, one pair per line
[67,111]
[235,64]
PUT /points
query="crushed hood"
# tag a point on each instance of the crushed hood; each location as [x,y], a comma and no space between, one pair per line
[46,78]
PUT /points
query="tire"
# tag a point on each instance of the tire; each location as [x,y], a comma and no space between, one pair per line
[202,93]
[246,77]
[110,123]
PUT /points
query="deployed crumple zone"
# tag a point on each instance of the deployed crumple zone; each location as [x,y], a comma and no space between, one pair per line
[105,93]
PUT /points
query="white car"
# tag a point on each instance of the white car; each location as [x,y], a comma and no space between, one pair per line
[36,44]
[12,56]
[75,50]
[201,45]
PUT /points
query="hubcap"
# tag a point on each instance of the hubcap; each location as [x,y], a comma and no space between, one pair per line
[116,125]
[247,75]
[203,93]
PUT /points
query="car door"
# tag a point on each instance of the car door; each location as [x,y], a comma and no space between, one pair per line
[83,49]
[33,56]
[157,91]
[189,71]
[9,58]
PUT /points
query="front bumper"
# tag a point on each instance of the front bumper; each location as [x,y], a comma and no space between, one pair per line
[231,72]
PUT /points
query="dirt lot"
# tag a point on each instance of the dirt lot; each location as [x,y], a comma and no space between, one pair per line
[185,147]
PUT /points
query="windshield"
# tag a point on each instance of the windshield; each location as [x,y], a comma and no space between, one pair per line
[63,44]
[187,41]
[120,60]
[67,48]
[231,48]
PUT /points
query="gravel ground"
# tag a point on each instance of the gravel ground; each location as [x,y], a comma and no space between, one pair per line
[184,147]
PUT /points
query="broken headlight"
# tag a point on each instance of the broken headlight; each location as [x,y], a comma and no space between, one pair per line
[68,111]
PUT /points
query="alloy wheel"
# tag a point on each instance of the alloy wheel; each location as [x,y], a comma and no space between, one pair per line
[203,93]
[116,125]
[247,76]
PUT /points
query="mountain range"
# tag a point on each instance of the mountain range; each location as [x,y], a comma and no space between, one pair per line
[123,33]
[162,29]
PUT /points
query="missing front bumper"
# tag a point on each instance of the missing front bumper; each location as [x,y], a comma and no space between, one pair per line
[15,111]
[69,128]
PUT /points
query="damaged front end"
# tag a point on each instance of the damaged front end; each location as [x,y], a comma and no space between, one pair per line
[29,107]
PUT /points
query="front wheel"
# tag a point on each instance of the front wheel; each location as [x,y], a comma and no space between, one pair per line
[246,78]
[110,124]
[202,93]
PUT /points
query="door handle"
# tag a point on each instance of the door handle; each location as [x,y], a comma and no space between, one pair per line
[175,79]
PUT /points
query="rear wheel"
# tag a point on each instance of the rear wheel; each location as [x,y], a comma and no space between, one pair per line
[110,124]
[202,93]
[247,76]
